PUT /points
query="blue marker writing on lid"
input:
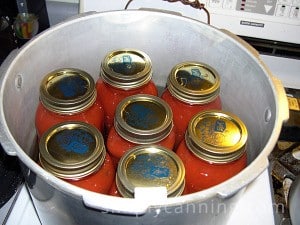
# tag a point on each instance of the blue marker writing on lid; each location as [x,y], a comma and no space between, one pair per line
[150,167]
[220,126]
[71,87]
[141,117]
[127,61]
[77,141]
[192,79]
[196,73]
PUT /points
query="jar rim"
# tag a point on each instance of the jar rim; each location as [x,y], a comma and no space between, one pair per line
[72,150]
[126,68]
[194,82]
[216,136]
[135,169]
[67,91]
[143,119]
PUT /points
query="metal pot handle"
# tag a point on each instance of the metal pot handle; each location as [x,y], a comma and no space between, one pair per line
[144,198]
[281,97]
[105,204]
[193,3]
[5,141]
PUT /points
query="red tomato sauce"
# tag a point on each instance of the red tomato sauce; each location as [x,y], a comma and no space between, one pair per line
[101,180]
[45,118]
[183,112]
[114,190]
[200,174]
[117,146]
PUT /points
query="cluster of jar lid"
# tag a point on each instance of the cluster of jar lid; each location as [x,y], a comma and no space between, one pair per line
[116,134]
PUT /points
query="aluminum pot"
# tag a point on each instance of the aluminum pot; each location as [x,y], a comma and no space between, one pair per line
[248,90]
[293,201]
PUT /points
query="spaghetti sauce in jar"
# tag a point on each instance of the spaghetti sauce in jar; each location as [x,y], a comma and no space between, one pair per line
[124,72]
[140,119]
[75,152]
[149,166]
[68,94]
[214,149]
[191,87]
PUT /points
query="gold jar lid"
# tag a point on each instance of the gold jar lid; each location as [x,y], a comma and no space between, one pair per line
[126,68]
[143,119]
[216,136]
[67,91]
[150,166]
[72,150]
[194,83]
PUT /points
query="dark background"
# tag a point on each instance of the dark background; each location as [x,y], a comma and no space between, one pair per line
[9,165]
[8,13]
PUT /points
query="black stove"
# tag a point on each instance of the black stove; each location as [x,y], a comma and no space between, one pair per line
[7,38]
[11,179]
[285,160]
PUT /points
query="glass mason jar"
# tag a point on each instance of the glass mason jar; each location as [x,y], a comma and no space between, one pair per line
[75,152]
[68,94]
[124,72]
[214,149]
[149,166]
[140,119]
[26,25]
[191,87]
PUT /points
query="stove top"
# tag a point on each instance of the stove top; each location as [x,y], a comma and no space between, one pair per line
[11,179]
[285,159]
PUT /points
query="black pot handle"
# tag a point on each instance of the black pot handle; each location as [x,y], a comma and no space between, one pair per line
[195,4]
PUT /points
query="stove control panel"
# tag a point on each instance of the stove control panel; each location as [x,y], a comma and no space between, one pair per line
[277,20]
[278,8]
